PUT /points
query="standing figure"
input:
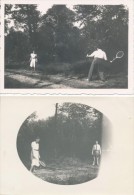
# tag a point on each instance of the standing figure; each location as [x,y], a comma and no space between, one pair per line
[96,152]
[33,60]
[99,61]
[35,156]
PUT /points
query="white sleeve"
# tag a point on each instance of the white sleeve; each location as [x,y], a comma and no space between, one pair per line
[105,57]
[93,54]
[32,145]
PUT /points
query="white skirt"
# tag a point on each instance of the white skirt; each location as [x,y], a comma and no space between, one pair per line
[35,158]
[32,63]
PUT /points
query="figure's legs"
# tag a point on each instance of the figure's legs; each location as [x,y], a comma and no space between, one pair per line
[101,70]
[91,70]
[34,64]
[101,76]
[94,160]
[97,160]
[32,168]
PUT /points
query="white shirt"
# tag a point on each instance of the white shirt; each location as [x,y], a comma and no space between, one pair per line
[98,54]
[33,55]
[35,146]
[96,147]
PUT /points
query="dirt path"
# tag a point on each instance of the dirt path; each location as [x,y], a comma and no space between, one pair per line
[29,79]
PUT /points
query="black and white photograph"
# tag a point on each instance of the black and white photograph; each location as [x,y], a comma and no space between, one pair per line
[66,145]
[65,148]
[66,46]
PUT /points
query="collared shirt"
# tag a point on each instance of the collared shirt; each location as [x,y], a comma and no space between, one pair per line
[99,54]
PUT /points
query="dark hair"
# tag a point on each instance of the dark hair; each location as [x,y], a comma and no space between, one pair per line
[100,45]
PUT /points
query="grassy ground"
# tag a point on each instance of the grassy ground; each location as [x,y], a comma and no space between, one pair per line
[22,78]
[68,175]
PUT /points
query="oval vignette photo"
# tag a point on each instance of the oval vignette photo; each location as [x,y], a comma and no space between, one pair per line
[65,144]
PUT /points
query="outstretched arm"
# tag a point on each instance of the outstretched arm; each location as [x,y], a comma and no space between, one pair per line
[91,55]
[105,56]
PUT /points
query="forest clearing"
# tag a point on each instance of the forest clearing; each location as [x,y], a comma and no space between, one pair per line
[68,175]
[66,141]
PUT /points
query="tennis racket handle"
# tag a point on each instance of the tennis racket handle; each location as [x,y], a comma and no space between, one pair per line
[113,60]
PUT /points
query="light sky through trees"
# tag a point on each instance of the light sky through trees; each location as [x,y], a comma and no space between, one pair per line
[44,7]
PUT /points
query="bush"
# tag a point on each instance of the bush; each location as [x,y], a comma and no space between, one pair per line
[14,64]
[56,68]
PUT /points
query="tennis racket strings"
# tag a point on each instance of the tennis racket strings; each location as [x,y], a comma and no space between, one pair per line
[119,54]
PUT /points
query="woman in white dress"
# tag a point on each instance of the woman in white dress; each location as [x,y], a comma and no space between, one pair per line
[33,60]
[35,156]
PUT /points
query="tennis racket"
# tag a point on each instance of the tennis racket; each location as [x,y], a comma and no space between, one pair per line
[42,163]
[120,54]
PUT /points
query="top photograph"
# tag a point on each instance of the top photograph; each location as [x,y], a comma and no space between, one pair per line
[66,47]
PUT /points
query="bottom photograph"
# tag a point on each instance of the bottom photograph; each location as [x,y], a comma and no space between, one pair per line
[65,143]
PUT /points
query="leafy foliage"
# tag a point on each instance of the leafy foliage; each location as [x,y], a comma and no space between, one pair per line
[56,36]
[70,133]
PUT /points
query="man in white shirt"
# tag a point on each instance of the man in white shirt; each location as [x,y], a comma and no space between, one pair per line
[35,156]
[99,60]
[96,152]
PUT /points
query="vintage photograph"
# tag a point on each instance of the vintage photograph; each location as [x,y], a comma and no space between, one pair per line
[65,46]
[65,146]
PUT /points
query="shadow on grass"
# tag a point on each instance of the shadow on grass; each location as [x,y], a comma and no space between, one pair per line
[13,83]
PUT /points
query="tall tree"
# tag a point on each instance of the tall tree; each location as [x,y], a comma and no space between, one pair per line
[105,24]
[8,13]
[62,35]
[26,18]
[16,48]
[76,129]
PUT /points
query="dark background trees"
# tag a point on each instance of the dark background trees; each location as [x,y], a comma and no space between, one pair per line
[69,134]
[21,37]
[105,25]
[56,37]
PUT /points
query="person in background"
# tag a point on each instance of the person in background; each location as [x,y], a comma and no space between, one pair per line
[96,152]
[33,60]
[35,155]
[99,60]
